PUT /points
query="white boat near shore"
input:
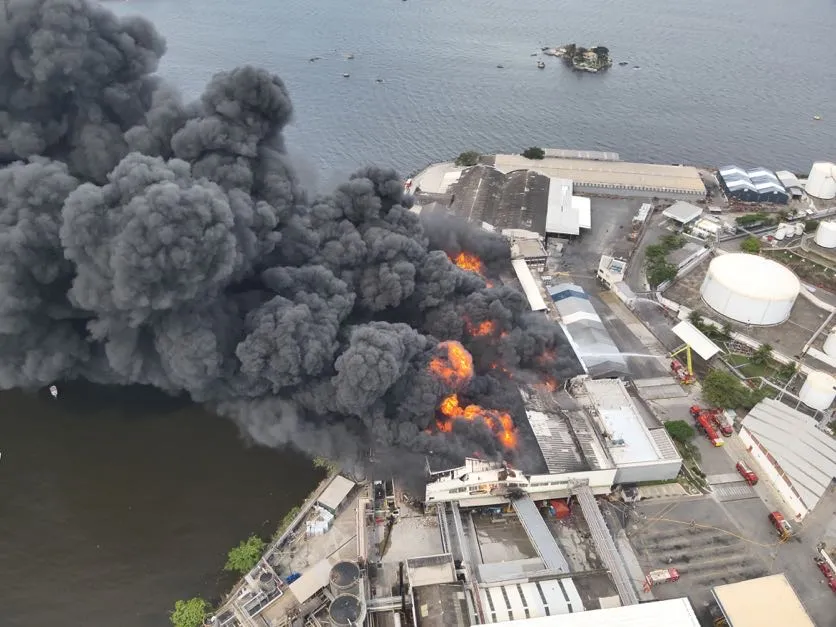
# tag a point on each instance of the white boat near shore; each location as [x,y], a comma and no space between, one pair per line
[53,389]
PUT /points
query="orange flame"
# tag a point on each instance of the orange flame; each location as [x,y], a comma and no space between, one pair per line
[468,261]
[499,422]
[503,369]
[550,383]
[546,357]
[455,367]
[486,327]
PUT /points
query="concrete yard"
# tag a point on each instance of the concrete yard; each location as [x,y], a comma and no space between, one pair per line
[502,538]
[787,338]
[709,552]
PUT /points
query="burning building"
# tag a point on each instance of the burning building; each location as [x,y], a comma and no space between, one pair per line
[152,241]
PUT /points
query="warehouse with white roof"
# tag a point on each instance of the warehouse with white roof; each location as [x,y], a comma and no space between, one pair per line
[792,453]
[639,453]
[670,613]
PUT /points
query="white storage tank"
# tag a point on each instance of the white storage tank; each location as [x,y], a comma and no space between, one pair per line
[818,391]
[799,228]
[781,233]
[826,235]
[830,343]
[822,180]
[750,289]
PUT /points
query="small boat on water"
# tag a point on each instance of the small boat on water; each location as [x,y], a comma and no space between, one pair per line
[817,117]
[53,390]
[500,67]
[346,75]
[541,64]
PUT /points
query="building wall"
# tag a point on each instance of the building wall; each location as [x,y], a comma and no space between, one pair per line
[652,471]
[795,509]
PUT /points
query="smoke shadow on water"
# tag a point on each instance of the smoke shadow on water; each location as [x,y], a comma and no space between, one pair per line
[136,402]
[115,502]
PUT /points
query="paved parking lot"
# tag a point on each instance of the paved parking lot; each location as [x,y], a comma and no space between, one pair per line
[696,537]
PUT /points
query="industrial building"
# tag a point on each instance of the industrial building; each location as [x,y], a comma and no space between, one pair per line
[791,183]
[796,457]
[566,214]
[527,245]
[670,613]
[614,177]
[590,340]
[480,483]
[516,200]
[759,602]
[529,285]
[750,289]
[682,212]
[640,454]
[519,200]
[822,181]
[756,185]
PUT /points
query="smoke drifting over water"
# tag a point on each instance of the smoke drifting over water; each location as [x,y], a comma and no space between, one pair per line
[144,240]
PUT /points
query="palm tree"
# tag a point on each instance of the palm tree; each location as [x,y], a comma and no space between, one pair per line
[762,355]
[695,318]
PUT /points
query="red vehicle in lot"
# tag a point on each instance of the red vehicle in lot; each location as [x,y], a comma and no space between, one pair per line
[747,473]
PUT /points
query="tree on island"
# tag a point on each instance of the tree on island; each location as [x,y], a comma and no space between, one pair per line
[243,557]
[468,158]
[534,152]
[751,245]
[191,613]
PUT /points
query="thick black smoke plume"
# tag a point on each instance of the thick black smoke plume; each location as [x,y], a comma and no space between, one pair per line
[144,240]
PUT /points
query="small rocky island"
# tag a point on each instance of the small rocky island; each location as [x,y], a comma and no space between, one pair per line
[582,59]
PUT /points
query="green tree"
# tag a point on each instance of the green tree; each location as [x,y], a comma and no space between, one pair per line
[467,159]
[679,430]
[661,272]
[726,331]
[695,318]
[786,371]
[191,613]
[654,252]
[810,226]
[534,153]
[762,355]
[243,557]
[751,245]
[723,389]
[672,241]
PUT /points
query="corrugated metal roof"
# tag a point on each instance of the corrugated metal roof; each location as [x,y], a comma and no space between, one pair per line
[696,339]
[540,535]
[612,174]
[682,212]
[561,215]
[759,180]
[670,613]
[788,179]
[312,581]
[529,285]
[664,443]
[553,597]
[335,493]
[806,455]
